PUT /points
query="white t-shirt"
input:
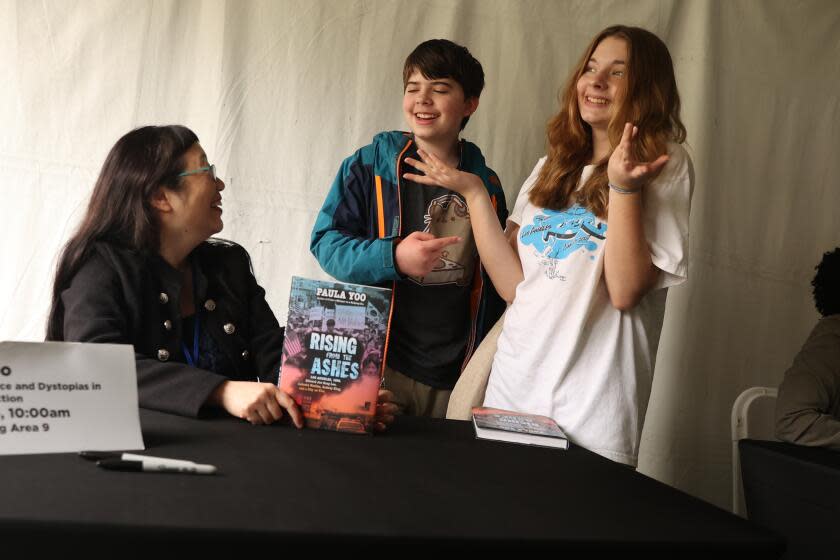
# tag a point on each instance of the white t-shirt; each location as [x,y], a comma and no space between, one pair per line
[564,350]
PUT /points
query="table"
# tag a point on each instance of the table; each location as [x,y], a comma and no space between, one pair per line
[426,482]
[795,491]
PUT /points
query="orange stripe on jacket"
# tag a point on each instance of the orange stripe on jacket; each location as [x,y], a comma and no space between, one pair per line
[379,209]
[381,229]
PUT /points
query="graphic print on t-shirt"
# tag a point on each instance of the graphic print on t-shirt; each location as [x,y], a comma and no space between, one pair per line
[445,216]
[556,234]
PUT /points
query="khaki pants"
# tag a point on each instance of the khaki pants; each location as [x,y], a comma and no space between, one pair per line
[415,398]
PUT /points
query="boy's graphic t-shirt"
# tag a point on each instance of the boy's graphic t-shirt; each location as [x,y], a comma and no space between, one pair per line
[564,350]
[445,214]
[431,322]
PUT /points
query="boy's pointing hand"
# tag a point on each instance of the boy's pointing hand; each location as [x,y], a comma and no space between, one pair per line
[419,253]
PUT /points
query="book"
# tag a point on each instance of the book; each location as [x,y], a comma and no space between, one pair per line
[518,427]
[333,352]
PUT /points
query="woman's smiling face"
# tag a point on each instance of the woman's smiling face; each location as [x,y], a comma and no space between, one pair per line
[601,87]
[199,200]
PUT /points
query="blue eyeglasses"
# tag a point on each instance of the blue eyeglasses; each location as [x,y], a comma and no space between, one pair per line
[210,168]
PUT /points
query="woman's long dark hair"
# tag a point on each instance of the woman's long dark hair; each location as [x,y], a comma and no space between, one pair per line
[119,210]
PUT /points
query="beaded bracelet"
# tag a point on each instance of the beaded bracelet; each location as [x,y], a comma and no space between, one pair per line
[622,190]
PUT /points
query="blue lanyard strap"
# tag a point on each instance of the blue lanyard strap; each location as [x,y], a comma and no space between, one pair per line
[192,359]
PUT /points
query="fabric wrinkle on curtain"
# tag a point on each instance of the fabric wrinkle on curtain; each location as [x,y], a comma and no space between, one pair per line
[281,91]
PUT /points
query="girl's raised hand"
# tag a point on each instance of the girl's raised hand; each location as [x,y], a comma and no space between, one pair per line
[438,173]
[626,173]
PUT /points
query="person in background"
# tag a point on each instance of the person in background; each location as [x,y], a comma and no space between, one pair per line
[141,269]
[808,407]
[598,232]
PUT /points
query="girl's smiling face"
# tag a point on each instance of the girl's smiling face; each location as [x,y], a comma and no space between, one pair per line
[601,87]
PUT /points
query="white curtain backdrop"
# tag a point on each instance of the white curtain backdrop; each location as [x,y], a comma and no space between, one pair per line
[281,91]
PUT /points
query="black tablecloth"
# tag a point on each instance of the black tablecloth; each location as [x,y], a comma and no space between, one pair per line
[795,491]
[425,481]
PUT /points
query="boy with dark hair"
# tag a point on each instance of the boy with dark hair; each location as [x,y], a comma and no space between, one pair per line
[808,407]
[376,227]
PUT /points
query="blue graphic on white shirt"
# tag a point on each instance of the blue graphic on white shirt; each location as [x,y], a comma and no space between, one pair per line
[556,234]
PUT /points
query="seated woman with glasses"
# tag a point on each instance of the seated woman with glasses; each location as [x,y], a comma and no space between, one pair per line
[142,270]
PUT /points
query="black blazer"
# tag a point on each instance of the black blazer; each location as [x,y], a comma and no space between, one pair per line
[120,296]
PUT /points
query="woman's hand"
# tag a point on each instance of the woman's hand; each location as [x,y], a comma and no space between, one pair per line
[258,403]
[386,410]
[626,173]
[438,173]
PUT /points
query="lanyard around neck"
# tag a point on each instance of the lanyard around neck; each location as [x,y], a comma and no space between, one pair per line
[192,358]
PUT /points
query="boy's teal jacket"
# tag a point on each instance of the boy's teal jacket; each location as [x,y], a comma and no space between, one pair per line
[354,233]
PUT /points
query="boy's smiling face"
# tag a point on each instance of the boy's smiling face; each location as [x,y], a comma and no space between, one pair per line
[434,108]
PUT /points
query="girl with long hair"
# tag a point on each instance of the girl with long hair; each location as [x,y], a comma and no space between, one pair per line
[598,232]
[141,269]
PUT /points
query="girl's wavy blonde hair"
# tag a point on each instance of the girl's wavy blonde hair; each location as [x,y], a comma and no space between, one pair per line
[651,102]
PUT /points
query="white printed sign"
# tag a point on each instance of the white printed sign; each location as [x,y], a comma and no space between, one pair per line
[349,317]
[67,396]
[316,313]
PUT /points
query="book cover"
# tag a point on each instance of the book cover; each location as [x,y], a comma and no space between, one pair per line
[518,427]
[333,352]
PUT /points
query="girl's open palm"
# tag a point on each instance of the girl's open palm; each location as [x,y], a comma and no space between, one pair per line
[623,171]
